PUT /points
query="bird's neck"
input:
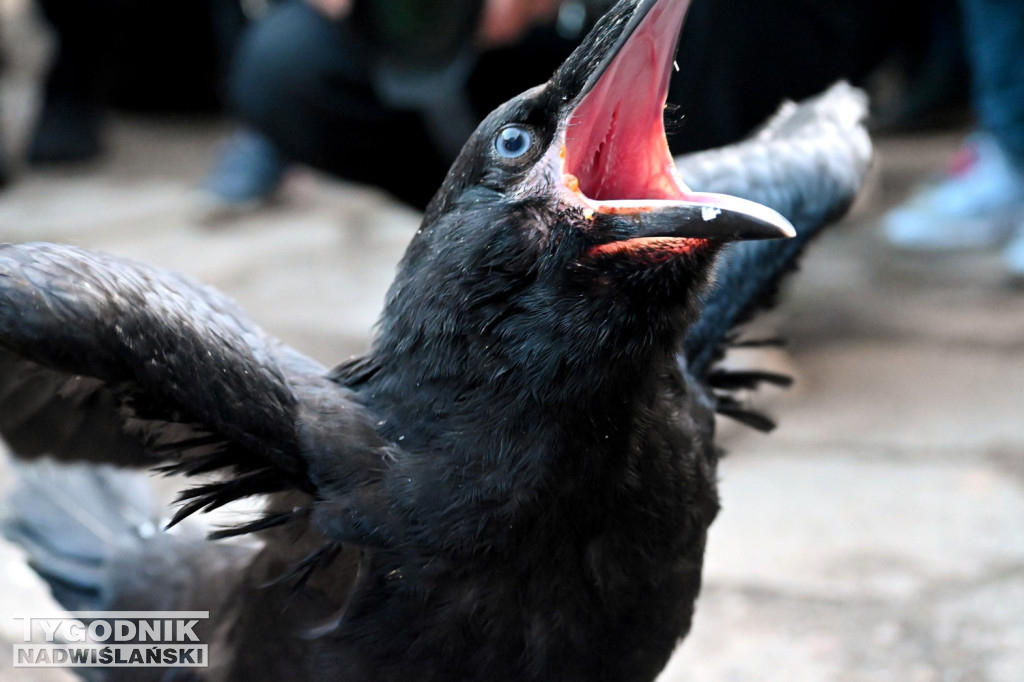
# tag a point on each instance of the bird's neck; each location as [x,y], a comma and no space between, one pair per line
[518,438]
[535,377]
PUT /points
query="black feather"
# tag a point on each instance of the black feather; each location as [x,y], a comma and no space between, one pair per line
[745,415]
[215,495]
[264,523]
[734,379]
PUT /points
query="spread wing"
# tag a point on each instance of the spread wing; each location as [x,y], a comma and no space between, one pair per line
[106,360]
[808,163]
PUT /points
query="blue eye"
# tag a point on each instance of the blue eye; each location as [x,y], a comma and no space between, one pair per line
[512,142]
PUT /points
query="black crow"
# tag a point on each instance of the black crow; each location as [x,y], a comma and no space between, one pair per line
[516,481]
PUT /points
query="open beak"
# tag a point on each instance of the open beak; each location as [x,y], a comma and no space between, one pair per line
[613,156]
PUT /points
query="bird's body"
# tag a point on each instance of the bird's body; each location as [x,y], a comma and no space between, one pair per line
[514,483]
[540,536]
[509,504]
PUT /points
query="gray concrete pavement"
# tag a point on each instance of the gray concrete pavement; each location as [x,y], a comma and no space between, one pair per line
[877,535]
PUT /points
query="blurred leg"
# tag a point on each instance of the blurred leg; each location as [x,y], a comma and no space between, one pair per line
[981,199]
[304,82]
[995,41]
[995,32]
[67,127]
[3,154]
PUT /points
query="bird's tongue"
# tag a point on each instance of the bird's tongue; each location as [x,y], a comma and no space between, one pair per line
[615,146]
[616,161]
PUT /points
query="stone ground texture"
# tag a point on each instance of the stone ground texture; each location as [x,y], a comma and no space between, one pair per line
[877,535]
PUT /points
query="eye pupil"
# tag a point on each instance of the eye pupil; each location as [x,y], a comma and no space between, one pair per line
[512,142]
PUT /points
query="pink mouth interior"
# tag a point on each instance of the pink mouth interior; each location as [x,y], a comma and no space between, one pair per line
[615,142]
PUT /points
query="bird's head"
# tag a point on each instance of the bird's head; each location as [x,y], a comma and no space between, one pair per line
[564,216]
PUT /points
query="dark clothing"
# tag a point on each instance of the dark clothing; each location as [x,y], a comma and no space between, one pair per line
[129,54]
[141,55]
[304,81]
[307,83]
[739,59]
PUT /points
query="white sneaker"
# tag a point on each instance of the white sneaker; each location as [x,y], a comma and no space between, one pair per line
[1013,255]
[976,205]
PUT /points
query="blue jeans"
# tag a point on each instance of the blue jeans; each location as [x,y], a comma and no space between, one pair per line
[995,43]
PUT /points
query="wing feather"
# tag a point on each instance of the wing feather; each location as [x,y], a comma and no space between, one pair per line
[106,360]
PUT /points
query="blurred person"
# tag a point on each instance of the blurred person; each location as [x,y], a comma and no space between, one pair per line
[135,55]
[979,201]
[3,155]
[324,83]
[924,83]
[312,84]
